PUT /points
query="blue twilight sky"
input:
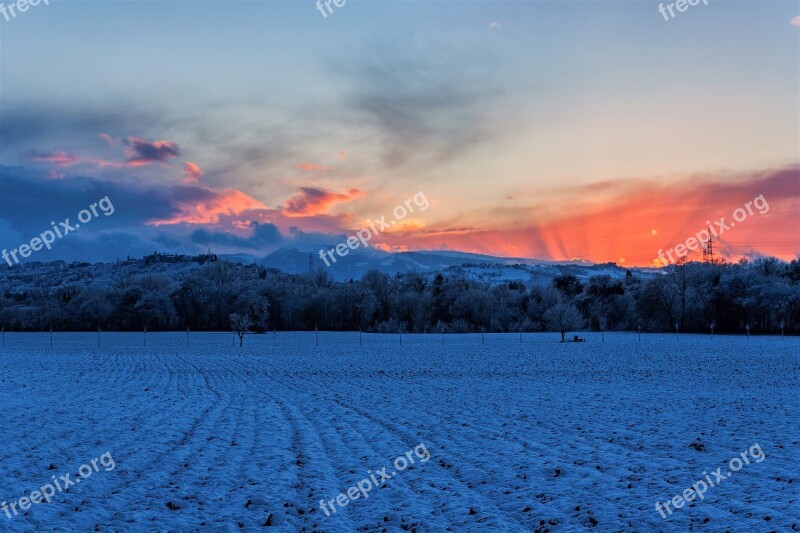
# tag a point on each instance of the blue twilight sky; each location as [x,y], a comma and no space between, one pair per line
[534,128]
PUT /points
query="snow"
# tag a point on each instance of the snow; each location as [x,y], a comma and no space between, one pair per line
[526,436]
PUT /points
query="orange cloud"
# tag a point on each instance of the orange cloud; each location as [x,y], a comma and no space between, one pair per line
[389,248]
[406,225]
[311,201]
[211,205]
[622,227]
[191,173]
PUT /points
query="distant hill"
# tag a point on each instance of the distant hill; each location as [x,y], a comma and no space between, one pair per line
[480,267]
[411,292]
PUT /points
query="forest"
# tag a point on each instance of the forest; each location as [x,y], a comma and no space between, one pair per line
[762,296]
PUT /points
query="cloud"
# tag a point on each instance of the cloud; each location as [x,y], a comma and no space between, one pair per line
[59,159]
[170,241]
[161,214]
[389,248]
[406,225]
[620,222]
[103,246]
[110,140]
[621,225]
[138,152]
[8,237]
[427,103]
[144,152]
[65,159]
[306,167]
[263,235]
[495,26]
[191,173]
[204,205]
[795,21]
[31,199]
[72,127]
[312,201]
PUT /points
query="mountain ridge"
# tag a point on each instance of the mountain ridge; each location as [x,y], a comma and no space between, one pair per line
[356,263]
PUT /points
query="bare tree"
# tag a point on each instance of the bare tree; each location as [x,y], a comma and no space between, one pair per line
[563,317]
[677,276]
[240,324]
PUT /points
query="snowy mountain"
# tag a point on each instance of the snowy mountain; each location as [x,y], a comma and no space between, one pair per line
[480,267]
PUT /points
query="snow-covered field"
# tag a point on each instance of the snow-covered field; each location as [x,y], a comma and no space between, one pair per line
[522,437]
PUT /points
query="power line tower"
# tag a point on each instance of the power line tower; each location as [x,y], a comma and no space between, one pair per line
[708,249]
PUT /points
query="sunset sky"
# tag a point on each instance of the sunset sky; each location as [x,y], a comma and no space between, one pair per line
[554,130]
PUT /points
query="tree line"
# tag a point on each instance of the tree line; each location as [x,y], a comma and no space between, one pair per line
[762,295]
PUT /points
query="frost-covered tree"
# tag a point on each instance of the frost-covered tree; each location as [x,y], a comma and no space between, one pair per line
[240,324]
[563,317]
[166,292]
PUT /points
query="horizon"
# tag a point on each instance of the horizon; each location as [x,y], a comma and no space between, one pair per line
[490,259]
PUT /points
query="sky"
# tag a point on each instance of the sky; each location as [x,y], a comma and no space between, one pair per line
[556,130]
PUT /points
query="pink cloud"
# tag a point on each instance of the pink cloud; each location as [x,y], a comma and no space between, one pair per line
[139,152]
[110,140]
[307,167]
[59,159]
[191,173]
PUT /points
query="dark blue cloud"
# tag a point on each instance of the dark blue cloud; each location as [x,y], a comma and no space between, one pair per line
[48,127]
[143,151]
[263,235]
[29,200]
[427,103]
